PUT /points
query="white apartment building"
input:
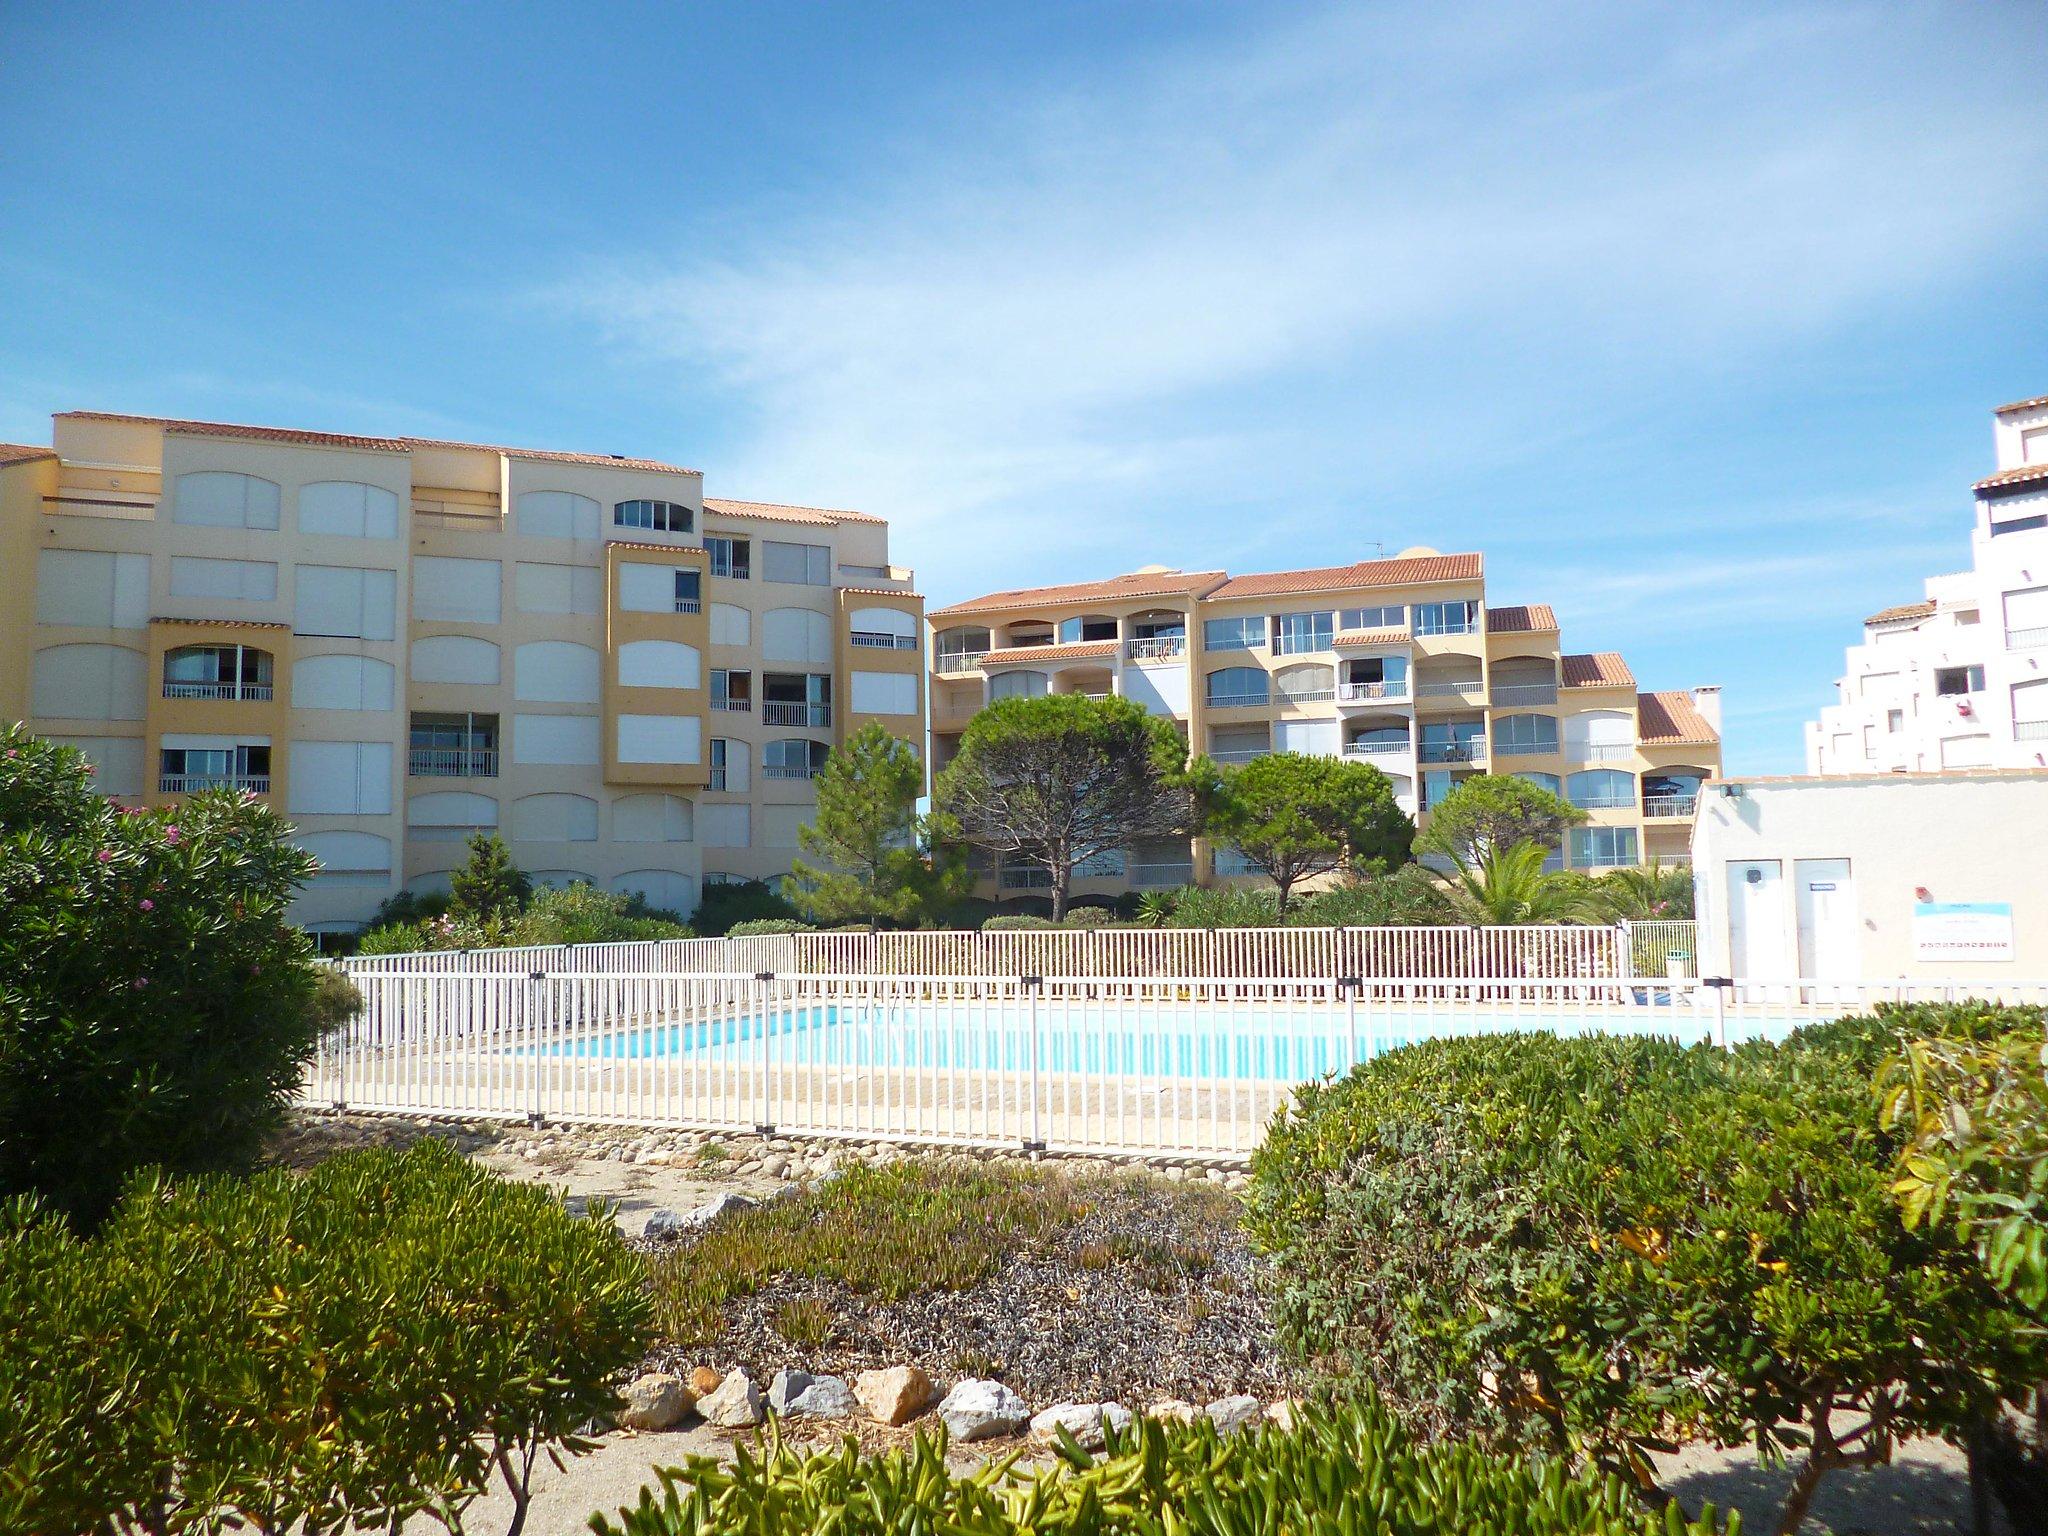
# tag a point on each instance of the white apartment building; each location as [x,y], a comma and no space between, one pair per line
[1959,679]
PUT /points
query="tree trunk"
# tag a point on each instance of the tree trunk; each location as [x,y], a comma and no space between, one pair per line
[1062,874]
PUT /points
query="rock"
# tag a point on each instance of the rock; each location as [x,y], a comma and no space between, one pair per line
[978,1409]
[828,1397]
[704,1380]
[895,1396]
[663,1224]
[735,1405]
[1084,1421]
[657,1400]
[1228,1414]
[1174,1411]
[787,1386]
[712,1209]
[1283,1411]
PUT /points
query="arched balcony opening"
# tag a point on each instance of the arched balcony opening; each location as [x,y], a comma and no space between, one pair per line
[1524,681]
[218,672]
[959,649]
[1159,634]
[1601,789]
[1378,736]
[1312,683]
[1087,627]
[1022,632]
[1094,682]
[1672,794]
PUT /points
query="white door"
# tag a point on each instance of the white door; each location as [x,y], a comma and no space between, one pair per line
[1759,948]
[1826,897]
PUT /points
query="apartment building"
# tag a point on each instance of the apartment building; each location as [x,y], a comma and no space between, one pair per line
[1959,679]
[1400,663]
[397,642]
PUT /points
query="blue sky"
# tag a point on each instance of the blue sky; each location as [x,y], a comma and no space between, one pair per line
[1691,317]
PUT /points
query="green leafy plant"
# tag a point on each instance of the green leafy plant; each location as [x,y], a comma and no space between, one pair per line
[1224,906]
[579,913]
[1491,812]
[866,844]
[489,888]
[1645,892]
[1295,817]
[728,902]
[155,1007]
[1406,897]
[1508,885]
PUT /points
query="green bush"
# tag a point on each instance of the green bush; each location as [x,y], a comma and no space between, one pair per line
[1594,1245]
[726,902]
[1224,906]
[1332,1474]
[382,1337]
[580,913]
[155,1008]
[1407,897]
[759,927]
[1017,922]
[1089,917]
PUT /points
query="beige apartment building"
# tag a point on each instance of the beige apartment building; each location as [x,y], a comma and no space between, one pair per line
[397,642]
[1400,663]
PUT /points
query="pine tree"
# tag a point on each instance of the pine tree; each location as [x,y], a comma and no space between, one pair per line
[865,862]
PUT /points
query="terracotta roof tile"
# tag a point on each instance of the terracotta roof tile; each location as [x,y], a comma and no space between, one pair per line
[299,437]
[160,618]
[1372,637]
[775,512]
[1672,717]
[1596,669]
[2032,404]
[1137,584]
[659,549]
[1398,572]
[1921,610]
[1078,651]
[24,453]
[2019,474]
[1536,618]
[915,597]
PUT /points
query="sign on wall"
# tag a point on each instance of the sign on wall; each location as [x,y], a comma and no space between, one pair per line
[1962,931]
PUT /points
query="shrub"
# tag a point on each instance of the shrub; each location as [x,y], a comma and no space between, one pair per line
[154,1006]
[1408,897]
[490,888]
[1354,1469]
[1089,917]
[761,926]
[1224,906]
[1587,1245]
[449,930]
[580,913]
[413,907]
[1017,922]
[736,901]
[382,1337]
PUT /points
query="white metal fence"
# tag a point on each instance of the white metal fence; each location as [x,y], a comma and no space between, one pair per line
[1193,1066]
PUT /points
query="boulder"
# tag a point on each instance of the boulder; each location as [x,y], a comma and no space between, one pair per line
[786,1387]
[657,1400]
[1084,1421]
[718,1205]
[704,1380]
[663,1225]
[1283,1411]
[735,1405]
[894,1396]
[978,1409]
[1228,1414]
[828,1397]
[1174,1411]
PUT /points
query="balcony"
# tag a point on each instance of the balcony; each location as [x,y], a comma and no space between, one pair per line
[1155,876]
[773,713]
[260,691]
[1399,748]
[953,663]
[193,783]
[689,605]
[1237,700]
[453,763]
[875,640]
[2026,639]
[1453,752]
[1525,693]
[1599,751]
[1025,880]
[1239,754]
[734,706]
[716,778]
[2030,730]
[1157,648]
[1371,693]
[1460,688]
[1669,807]
[789,771]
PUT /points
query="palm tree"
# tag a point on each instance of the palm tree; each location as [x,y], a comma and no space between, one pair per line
[1510,885]
[1647,892]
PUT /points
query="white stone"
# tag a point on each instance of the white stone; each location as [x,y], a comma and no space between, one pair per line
[1084,1421]
[1230,1414]
[787,1386]
[978,1409]
[829,1397]
[735,1405]
[657,1400]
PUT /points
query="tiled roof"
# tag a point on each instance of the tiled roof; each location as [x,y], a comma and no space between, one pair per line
[304,439]
[24,453]
[1372,637]
[1137,584]
[160,618]
[2017,475]
[774,512]
[2022,405]
[914,597]
[1672,717]
[1080,651]
[1596,669]
[659,549]
[1398,572]
[1922,610]
[1535,618]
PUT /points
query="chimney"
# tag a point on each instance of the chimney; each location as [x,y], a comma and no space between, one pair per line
[1708,702]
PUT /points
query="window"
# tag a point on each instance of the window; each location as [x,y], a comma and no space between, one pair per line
[453,746]
[345,603]
[729,556]
[557,588]
[732,691]
[660,516]
[1446,618]
[1601,789]
[1395,617]
[797,634]
[554,818]
[796,698]
[1949,681]
[651,819]
[568,740]
[556,672]
[1594,846]
[658,664]
[798,564]
[1246,634]
[348,509]
[234,581]
[87,587]
[217,672]
[645,588]
[455,659]
[729,764]
[449,816]
[1894,721]
[557,515]
[116,761]
[349,858]
[1524,735]
[793,759]
[213,499]
[1294,633]
[659,739]
[340,778]
[664,890]
[730,625]
[1232,686]
[2030,710]
[1549,781]
[1453,741]
[182,770]
[452,591]
[1078,631]
[1017,685]
[882,629]
[89,682]
[724,826]
[343,682]
[884,693]
[1305,685]
[1308,738]
[2026,618]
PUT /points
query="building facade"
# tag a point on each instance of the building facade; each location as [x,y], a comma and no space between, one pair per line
[1400,663]
[397,642]
[1959,679]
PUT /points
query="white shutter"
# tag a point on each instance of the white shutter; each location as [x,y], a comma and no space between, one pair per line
[348,509]
[669,889]
[730,625]
[345,602]
[2030,702]
[89,587]
[215,499]
[348,852]
[739,758]
[455,659]
[556,672]
[563,739]
[446,590]
[554,818]
[1313,738]
[659,739]
[658,664]
[2027,609]
[779,824]
[651,819]
[340,778]
[343,682]
[805,564]
[557,588]
[884,693]
[1965,751]
[89,682]
[647,588]
[883,621]
[557,515]
[796,634]
[449,816]
[242,581]
[723,826]
[116,761]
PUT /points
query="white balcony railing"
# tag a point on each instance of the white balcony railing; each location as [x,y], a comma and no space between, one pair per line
[1602,802]
[192,783]
[1399,748]
[1370,692]
[1453,752]
[789,771]
[453,763]
[950,663]
[689,605]
[715,779]
[1525,693]
[1237,700]
[1239,754]
[1599,751]
[2026,639]
[2030,730]
[875,640]
[1525,749]
[1289,697]
[1157,648]
[1179,872]
[217,690]
[796,714]
[1668,807]
[1451,690]
[734,706]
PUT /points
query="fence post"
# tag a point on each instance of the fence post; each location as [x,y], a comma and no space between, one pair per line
[1351,986]
[1033,986]
[1628,966]
[536,993]
[764,1125]
[1720,986]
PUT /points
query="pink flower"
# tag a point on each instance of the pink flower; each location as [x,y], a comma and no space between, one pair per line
[106,855]
[148,905]
[141,982]
[171,833]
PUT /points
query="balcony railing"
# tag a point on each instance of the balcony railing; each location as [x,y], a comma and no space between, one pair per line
[689,605]
[1237,700]
[1356,692]
[1290,697]
[1178,872]
[1668,807]
[796,714]
[1157,648]
[2030,730]
[1599,752]
[192,783]
[1525,693]
[217,690]
[715,779]
[875,640]
[1239,754]
[734,706]
[1453,752]
[453,763]
[1025,880]
[2026,639]
[1525,749]
[789,771]
[1600,802]
[1378,748]
[1451,690]
[1445,627]
[948,663]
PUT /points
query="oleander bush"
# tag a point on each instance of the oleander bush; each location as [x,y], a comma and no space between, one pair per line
[155,1007]
[1599,1246]
[383,1337]
[1347,1472]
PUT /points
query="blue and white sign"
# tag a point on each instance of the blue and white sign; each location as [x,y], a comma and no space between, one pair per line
[1961,932]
